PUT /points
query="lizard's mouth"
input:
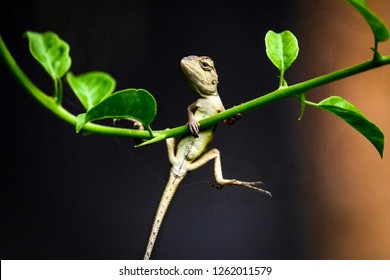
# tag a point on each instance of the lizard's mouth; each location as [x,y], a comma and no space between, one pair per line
[187,66]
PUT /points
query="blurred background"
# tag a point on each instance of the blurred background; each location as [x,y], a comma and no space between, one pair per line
[69,196]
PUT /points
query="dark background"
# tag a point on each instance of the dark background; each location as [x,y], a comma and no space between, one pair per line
[68,196]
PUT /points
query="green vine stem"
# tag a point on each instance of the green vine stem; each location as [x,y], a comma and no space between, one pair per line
[282,93]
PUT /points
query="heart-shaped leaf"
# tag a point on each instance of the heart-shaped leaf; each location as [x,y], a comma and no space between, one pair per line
[381,32]
[137,104]
[352,115]
[92,87]
[282,49]
[51,52]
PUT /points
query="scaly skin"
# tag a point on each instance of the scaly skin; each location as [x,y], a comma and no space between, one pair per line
[190,152]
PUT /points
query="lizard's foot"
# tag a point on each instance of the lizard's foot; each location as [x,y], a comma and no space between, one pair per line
[194,127]
[252,185]
[232,120]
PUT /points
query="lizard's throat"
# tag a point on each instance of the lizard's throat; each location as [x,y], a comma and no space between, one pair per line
[205,95]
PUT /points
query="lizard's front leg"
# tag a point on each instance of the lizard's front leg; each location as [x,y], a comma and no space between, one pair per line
[214,154]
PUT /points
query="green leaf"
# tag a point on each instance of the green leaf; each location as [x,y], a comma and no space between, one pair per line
[51,52]
[92,87]
[137,104]
[80,122]
[352,115]
[282,49]
[381,32]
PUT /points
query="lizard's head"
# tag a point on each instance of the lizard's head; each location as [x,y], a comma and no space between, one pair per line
[200,74]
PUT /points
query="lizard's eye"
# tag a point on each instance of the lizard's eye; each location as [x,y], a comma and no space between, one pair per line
[205,65]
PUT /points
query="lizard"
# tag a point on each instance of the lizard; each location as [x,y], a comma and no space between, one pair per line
[190,152]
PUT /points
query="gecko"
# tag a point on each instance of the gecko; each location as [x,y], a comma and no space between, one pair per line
[190,152]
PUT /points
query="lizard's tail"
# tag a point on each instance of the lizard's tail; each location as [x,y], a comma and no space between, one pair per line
[173,183]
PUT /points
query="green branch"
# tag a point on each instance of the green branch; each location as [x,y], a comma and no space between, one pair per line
[282,93]
[53,105]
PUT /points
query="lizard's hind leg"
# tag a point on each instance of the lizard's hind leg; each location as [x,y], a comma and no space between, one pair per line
[215,154]
[171,149]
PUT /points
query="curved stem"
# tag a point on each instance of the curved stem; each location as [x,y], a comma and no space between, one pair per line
[277,95]
[53,106]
